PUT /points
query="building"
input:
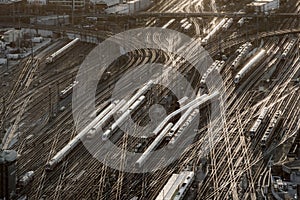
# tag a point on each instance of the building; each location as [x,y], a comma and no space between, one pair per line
[263,6]
[9,7]
[12,35]
[11,1]
[2,45]
[37,2]
[118,9]
[113,6]
[72,4]
[6,1]
[108,3]
[129,7]
[52,20]
[138,5]
[7,174]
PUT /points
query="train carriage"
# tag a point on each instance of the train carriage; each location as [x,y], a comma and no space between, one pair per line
[61,51]
[266,139]
[258,123]
[177,186]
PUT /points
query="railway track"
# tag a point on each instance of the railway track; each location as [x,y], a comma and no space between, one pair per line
[79,170]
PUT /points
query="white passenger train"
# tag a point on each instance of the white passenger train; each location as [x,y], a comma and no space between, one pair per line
[249,66]
[187,27]
[266,139]
[208,71]
[261,118]
[177,186]
[289,47]
[243,51]
[168,23]
[183,20]
[213,31]
[96,124]
[26,178]
[241,22]
[227,25]
[166,129]
[68,90]
[61,51]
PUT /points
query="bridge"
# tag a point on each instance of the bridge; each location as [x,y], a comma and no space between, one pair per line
[174,15]
[200,14]
[102,35]
[280,32]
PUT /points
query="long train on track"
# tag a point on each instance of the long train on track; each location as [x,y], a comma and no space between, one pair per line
[261,118]
[250,65]
[61,51]
[177,186]
[266,139]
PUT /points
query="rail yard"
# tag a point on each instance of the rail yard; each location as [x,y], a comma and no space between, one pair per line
[236,136]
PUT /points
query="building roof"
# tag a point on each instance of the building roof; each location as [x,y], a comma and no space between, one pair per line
[7,156]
